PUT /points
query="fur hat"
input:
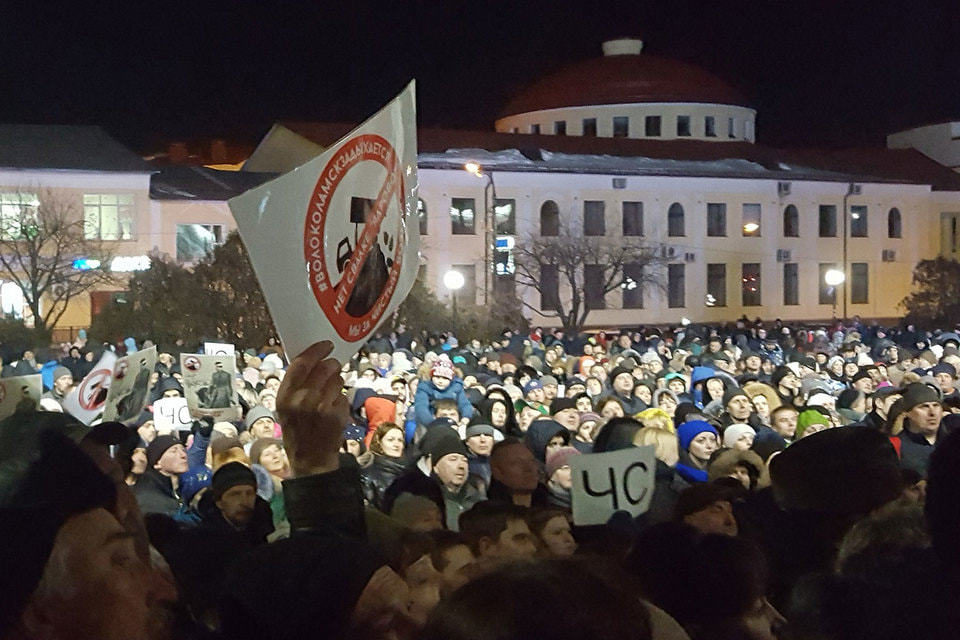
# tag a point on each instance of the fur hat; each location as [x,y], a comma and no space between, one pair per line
[724,463]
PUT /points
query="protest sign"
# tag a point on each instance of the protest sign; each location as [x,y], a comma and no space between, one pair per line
[21,391]
[604,483]
[172,414]
[335,243]
[208,386]
[88,398]
[218,349]
[130,386]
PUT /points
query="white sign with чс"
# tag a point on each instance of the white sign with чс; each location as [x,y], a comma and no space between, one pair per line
[172,414]
[604,483]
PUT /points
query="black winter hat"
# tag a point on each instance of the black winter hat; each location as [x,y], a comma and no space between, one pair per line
[917,393]
[158,447]
[445,445]
[700,496]
[559,404]
[231,475]
[620,370]
[732,393]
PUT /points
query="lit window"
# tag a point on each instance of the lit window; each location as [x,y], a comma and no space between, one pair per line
[750,281]
[463,216]
[15,209]
[632,285]
[651,126]
[858,221]
[683,125]
[751,220]
[108,216]
[505,217]
[621,126]
[195,241]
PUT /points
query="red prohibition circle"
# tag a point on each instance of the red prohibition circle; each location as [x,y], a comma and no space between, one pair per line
[331,297]
[95,380]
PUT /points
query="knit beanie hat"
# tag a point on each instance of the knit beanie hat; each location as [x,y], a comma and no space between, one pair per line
[231,475]
[807,418]
[735,431]
[822,399]
[445,445]
[847,397]
[255,414]
[619,371]
[256,449]
[354,432]
[62,371]
[559,458]
[690,430]
[442,368]
[732,393]
[158,447]
[944,367]
[480,430]
[560,404]
[917,393]
[589,416]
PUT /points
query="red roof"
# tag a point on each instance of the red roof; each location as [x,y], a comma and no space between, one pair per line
[624,79]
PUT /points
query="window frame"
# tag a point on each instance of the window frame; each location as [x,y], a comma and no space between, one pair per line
[830,211]
[748,269]
[791,220]
[716,219]
[215,228]
[759,220]
[676,271]
[894,224]
[588,127]
[457,214]
[121,207]
[859,226]
[556,213]
[673,215]
[636,226]
[651,123]
[791,274]
[719,270]
[589,230]
[684,128]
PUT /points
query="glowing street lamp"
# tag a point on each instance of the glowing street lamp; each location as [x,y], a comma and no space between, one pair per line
[474,168]
[453,280]
[834,278]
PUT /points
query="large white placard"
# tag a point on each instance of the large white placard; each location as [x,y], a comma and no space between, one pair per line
[19,391]
[604,483]
[172,414]
[88,398]
[208,386]
[130,387]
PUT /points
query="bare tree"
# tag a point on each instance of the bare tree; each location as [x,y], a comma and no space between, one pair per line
[614,263]
[41,236]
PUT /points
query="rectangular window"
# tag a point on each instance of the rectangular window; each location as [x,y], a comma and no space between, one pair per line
[633,218]
[468,292]
[422,216]
[621,126]
[710,127]
[593,286]
[683,125]
[791,284]
[828,221]
[535,129]
[593,220]
[590,127]
[828,294]
[632,285]
[16,209]
[560,128]
[716,285]
[859,283]
[676,287]
[195,241]
[549,287]
[651,126]
[108,216]
[463,214]
[751,284]
[751,220]
[858,221]
[731,128]
[716,219]
[505,217]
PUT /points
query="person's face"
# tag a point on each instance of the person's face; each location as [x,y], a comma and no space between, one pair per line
[740,407]
[527,415]
[850,369]
[268,401]
[883,407]
[536,395]
[623,383]
[236,504]
[643,392]
[271,459]
[515,467]
[384,360]
[173,461]
[864,384]
[762,621]
[139,459]
[63,384]
[767,367]
[147,431]
[154,377]
[761,405]
[498,414]
[549,392]
[790,381]
[752,363]
[715,389]
[703,446]
[676,385]
[369,374]
[668,404]
[945,380]
[273,384]
[171,393]
[744,442]
[555,443]
[100,588]
[612,409]
[585,431]
[557,538]
[583,404]
[916,493]
[448,412]
[926,417]
[452,470]
[741,474]
[424,582]
[262,428]
[837,367]
[392,443]
[570,418]
[563,477]
[514,543]
[440,382]
[400,390]
[594,387]
[785,423]
[454,574]
[353,447]
[481,444]
[598,371]
[574,389]
[717,518]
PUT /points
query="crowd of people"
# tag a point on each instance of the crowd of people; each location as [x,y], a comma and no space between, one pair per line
[806,486]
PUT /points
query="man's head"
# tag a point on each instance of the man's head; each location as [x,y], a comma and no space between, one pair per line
[167,455]
[708,508]
[564,411]
[452,557]
[946,376]
[783,420]
[527,414]
[923,409]
[446,408]
[448,455]
[863,381]
[622,381]
[512,463]
[550,388]
[259,422]
[737,403]
[533,391]
[480,439]
[497,531]
[234,487]
[62,380]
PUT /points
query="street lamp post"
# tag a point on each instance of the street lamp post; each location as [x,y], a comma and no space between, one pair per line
[453,280]
[488,236]
[834,278]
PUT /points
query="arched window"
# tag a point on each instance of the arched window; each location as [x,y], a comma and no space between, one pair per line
[894,224]
[675,220]
[549,219]
[422,215]
[791,222]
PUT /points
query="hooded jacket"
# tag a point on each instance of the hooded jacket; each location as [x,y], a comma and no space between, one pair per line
[379,410]
[539,434]
[427,394]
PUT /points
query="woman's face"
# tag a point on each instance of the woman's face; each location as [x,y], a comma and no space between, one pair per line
[594,387]
[392,443]
[715,389]
[585,432]
[353,448]
[744,442]
[703,446]
[555,443]
[668,404]
[583,405]
[837,367]
[557,538]
[269,401]
[643,392]
[612,409]
[850,369]
[271,459]
[498,414]
[761,405]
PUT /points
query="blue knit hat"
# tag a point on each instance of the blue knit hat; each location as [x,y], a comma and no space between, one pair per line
[690,430]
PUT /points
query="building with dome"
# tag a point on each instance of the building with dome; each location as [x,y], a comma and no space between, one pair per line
[640,150]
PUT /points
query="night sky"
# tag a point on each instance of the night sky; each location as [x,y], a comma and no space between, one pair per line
[827,73]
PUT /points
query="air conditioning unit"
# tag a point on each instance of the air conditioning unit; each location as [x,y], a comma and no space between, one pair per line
[619,183]
[889,255]
[690,257]
[668,253]
[783,255]
[856,189]
[783,189]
